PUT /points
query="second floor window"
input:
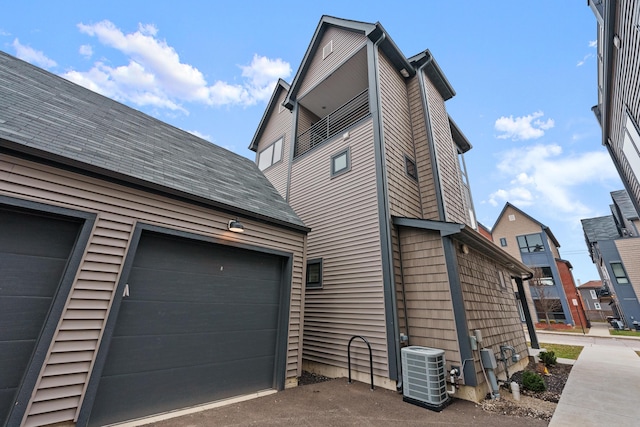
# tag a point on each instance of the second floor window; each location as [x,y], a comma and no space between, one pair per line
[530,243]
[270,155]
[593,294]
[618,271]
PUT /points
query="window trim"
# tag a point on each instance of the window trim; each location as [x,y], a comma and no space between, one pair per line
[347,168]
[527,249]
[313,285]
[409,161]
[593,294]
[273,153]
[503,242]
[625,277]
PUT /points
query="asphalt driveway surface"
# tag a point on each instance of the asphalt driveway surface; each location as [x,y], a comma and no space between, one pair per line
[337,403]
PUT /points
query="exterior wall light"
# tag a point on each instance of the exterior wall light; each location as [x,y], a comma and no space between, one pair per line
[235,226]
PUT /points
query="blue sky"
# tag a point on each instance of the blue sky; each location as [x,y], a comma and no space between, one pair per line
[524,73]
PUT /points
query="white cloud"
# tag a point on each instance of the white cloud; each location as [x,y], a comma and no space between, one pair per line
[155,75]
[86,50]
[4,33]
[29,54]
[523,128]
[585,59]
[545,176]
[200,135]
[593,43]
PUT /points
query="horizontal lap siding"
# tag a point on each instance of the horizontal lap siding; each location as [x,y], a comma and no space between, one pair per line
[343,215]
[345,44]
[404,198]
[456,209]
[73,349]
[490,307]
[278,126]
[629,250]
[626,86]
[423,153]
[427,293]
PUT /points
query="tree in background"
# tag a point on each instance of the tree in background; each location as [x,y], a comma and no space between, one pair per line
[546,300]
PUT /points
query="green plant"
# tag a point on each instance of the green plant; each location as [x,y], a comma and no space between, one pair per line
[563,351]
[548,358]
[532,381]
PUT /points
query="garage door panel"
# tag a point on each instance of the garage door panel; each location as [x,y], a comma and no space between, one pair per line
[18,228]
[187,286]
[29,275]
[190,386]
[132,354]
[14,357]
[22,318]
[156,318]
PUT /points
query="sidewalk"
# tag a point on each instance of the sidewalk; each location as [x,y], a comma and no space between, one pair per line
[599,329]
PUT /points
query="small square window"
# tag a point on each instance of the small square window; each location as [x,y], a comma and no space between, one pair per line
[503,241]
[597,306]
[410,167]
[340,163]
[314,274]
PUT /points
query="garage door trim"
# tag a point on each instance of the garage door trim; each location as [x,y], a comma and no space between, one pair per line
[283,321]
[41,349]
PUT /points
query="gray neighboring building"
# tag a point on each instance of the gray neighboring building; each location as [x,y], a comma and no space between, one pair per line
[614,247]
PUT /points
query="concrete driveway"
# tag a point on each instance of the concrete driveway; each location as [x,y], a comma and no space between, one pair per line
[337,403]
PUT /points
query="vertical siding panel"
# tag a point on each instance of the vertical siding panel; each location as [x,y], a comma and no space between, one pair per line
[351,301]
[447,155]
[629,250]
[404,198]
[345,44]
[427,183]
[118,209]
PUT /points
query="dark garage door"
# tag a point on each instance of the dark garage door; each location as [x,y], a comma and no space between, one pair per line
[200,324]
[34,251]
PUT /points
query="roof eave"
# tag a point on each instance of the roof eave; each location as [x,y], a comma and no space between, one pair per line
[281,85]
[434,72]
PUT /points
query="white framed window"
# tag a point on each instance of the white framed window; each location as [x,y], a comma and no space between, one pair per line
[593,294]
[340,163]
[597,306]
[270,155]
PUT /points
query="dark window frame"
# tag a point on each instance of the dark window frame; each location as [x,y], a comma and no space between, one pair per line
[410,164]
[316,284]
[530,247]
[503,242]
[346,152]
[624,275]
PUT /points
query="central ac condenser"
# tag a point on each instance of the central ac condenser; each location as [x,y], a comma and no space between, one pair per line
[424,377]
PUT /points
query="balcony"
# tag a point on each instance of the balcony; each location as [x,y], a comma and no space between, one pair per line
[334,123]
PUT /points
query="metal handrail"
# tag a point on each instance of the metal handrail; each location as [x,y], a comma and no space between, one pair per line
[370,357]
[334,123]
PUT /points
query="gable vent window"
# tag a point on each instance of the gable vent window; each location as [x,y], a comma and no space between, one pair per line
[327,49]
[410,167]
[270,155]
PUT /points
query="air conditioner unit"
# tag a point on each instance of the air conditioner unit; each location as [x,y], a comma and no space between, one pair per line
[424,377]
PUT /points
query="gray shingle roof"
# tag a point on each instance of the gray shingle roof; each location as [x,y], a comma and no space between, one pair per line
[600,228]
[46,115]
[621,198]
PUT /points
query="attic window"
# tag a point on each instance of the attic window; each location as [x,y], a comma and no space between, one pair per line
[270,155]
[327,49]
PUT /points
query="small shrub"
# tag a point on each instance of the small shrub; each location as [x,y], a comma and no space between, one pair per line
[532,381]
[552,322]
[548,358]
[542,321]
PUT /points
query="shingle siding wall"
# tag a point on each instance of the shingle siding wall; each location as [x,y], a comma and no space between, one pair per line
[278,126]
[456,209]
[404,197]
[427,293]
[345,44]
[490,307]
[351,301]
[71,354]
[429,203]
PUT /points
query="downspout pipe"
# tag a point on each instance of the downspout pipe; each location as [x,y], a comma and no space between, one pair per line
[391,311]
[431,142]
[525,308]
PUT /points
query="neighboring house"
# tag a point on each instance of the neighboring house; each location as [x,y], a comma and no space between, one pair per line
[618,108]
[123,290]
[524,237]
[596,300]
[362,147]
[484,231]
[571,292]
[614,247]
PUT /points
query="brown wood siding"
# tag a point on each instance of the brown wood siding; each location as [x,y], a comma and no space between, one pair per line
[456,209]
[305,119]
[490,307]
[73,349]
[626,85]
[511,229]
[429,203]
[427,292]
[404,196]
[278,126]
[629,250]
[351,301]
[345,44]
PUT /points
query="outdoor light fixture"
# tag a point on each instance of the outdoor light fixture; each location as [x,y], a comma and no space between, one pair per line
[235,226]
[404,73]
